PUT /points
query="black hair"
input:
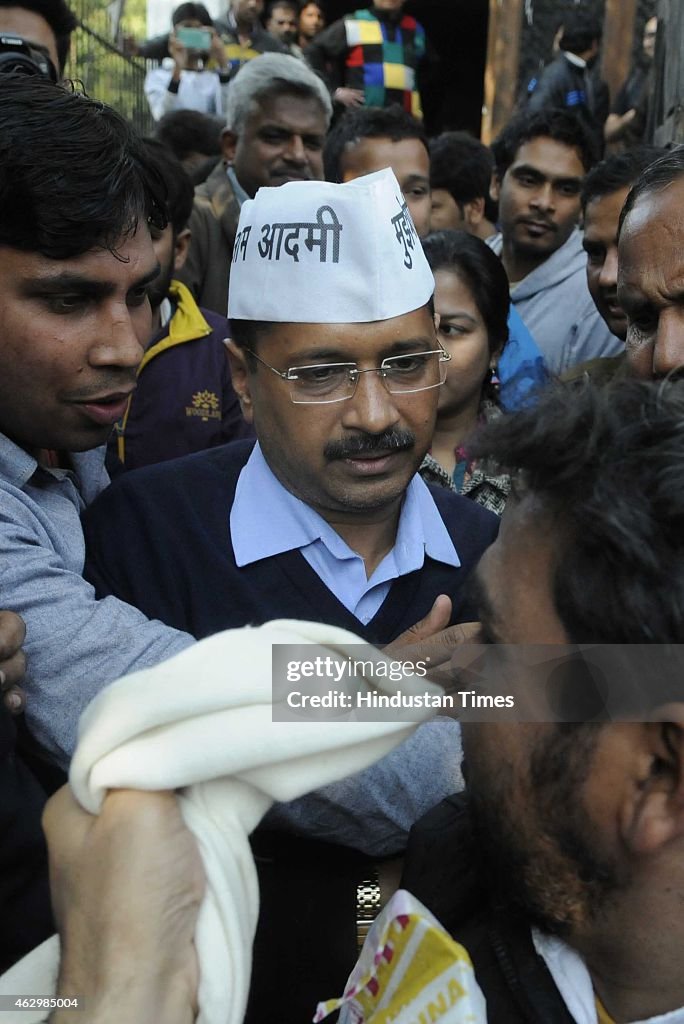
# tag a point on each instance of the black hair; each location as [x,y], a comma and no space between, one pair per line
[179,191]
[246,333]
[481,270]
[190,131]
[462,165]
[368,123]
[607,465]
[559,125]
[59,17]
[74,175]
[618,171]
[581,28]
[192,12]
[292,5]
[657,176]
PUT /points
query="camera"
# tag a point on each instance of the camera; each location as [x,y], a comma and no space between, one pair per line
[19,56]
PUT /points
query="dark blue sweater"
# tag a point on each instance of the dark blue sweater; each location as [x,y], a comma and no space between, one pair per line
[159,538]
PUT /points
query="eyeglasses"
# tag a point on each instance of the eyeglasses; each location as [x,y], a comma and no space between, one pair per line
[326,383]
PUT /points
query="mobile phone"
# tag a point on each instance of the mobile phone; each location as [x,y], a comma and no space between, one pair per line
[198,39]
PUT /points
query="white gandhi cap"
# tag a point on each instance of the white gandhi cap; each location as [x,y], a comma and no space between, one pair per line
[316,252]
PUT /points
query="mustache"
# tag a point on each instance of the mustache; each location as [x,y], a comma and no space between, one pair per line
[105,386]
[361,445]
[538,220]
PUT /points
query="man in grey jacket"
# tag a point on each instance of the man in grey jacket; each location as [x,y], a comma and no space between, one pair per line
[541,159]
[277,117]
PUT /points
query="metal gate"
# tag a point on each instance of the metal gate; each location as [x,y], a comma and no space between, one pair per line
[106,73]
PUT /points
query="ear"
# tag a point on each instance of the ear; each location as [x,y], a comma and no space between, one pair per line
[180,253]
[474,211]
[229,141]
[654,817]
[495,187]
[239,371]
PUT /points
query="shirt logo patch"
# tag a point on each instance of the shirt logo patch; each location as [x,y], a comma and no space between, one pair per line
[206,405]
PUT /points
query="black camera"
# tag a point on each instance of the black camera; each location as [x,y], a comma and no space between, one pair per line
[21,57]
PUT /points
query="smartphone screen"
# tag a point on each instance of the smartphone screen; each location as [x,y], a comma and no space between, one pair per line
[195,38]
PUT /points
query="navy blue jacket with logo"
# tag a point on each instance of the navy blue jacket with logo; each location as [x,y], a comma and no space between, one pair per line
[184,401]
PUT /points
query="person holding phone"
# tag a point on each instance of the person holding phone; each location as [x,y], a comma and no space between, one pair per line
[196,74]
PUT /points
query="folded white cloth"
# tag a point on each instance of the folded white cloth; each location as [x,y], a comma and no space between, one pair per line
[202,722]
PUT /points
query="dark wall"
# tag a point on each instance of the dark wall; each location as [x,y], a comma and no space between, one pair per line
[457,30]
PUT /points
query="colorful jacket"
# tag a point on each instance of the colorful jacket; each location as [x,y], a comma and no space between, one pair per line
[184,401]
[368,52]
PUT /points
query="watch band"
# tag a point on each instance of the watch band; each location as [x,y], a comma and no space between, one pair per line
[368,905]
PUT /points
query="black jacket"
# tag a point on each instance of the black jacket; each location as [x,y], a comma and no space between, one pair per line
[442,868]
[581,91]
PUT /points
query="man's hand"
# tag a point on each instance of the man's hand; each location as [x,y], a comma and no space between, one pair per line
[433,640]
[12,661]
[349,97]
[126,889]
[617,124]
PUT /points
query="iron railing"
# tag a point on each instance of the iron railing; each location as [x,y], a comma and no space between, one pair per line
[106,73]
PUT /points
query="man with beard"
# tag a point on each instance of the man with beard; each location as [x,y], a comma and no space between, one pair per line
[184,400]
[568,892]
[540,162]
[339,370]
[282,22]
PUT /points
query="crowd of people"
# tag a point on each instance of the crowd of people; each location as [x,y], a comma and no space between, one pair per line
[294,361]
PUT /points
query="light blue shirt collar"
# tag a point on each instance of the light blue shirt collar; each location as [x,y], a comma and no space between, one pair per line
[238,190]
[267,520]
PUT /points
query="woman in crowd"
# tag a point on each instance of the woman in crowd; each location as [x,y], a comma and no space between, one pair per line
[472,300]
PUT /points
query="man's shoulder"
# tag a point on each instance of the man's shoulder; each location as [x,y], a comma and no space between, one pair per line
[564,269]
[220,326]
[467,521]
[215,209]
[216,183]
[265,42]
[191,475]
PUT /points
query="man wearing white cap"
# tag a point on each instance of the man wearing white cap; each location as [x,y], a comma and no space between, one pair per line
[336,360]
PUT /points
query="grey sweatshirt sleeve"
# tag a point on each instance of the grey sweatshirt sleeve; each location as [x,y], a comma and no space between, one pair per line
[75,645]
[374,810]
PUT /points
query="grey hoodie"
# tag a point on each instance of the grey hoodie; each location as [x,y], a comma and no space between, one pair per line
[558,310]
